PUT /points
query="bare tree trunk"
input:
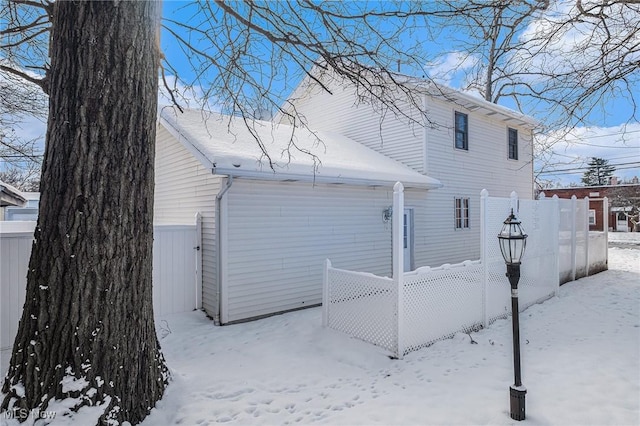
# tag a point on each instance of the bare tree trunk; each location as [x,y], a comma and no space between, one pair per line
[88,312]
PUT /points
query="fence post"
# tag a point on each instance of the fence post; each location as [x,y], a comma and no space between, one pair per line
[484,199]
[556,241]
[198,249]
[605,225]
[574,205]
[586,237]
[398,261]
[325,293]
[514,202]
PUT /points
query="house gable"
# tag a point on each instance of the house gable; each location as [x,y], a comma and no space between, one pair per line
[427,145]
[409,136]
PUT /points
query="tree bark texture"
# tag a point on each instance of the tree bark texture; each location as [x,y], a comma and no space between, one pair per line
[88,312]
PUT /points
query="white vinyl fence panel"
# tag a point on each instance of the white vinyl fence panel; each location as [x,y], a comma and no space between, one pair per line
[15,247]
[581,218]
[175,287]
[174,269]
[566,243]
[416,308]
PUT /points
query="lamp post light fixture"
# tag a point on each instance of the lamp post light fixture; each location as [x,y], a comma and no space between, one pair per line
[513,241]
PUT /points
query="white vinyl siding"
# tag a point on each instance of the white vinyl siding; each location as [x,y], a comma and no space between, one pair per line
[184,187]
[396,137]
[280,233]
[429,150]
[464,174]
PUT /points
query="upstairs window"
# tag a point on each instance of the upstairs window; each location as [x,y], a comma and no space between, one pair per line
[513,144]
[461,213]
[462,131]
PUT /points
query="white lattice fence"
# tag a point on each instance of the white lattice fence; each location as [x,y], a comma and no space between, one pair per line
[416,308]
[438,302]
[362,305]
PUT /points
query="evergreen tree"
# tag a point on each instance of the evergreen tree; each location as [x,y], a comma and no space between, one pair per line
[598,173]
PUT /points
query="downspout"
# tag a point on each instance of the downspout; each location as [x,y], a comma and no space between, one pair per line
[533,170]
[223,191]
[425,142]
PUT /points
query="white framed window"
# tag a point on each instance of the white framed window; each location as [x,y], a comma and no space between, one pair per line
[592,217]
[461,131]
[461,213]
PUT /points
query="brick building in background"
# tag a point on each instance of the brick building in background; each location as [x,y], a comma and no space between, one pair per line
[624,202]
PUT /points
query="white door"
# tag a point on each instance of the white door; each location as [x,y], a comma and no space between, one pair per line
[408,240]
[622,224]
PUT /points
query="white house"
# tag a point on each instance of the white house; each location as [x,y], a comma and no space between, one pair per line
[26,212]
[266,228]
[266,231]
[466,143]
[9,197]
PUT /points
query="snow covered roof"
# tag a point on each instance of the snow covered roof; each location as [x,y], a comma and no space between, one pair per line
[231,146]
[10,196]
[426,87]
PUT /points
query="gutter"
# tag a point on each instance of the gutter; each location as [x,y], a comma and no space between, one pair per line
[10,196]
[219,265]
[260,175]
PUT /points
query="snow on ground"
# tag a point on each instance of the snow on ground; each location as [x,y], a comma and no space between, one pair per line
[624,237]
[580,356]
[580,365]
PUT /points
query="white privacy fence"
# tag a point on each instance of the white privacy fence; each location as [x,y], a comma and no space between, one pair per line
[581,253]
[414,309]
[176,283]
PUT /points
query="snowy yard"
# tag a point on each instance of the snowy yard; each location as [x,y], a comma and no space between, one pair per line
[580,354]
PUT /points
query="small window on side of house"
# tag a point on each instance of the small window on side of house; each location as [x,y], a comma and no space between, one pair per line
[513,144]
[461,213]
[592,217]
[461,131]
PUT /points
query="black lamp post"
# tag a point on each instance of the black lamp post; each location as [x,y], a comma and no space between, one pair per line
[513,241]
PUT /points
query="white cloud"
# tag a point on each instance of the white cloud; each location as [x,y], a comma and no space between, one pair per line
[186,96]
[451,68]
[569,154]
[563,39]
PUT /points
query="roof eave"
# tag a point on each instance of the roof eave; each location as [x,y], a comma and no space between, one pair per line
[10,196]
[339,180]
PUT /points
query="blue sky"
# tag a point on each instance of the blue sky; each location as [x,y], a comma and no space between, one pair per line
[610,135]
[607,137]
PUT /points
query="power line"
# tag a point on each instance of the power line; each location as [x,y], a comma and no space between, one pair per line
[581,170]
[587,167]
[619,166]
[605,146]
[576,159]
[607,135]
